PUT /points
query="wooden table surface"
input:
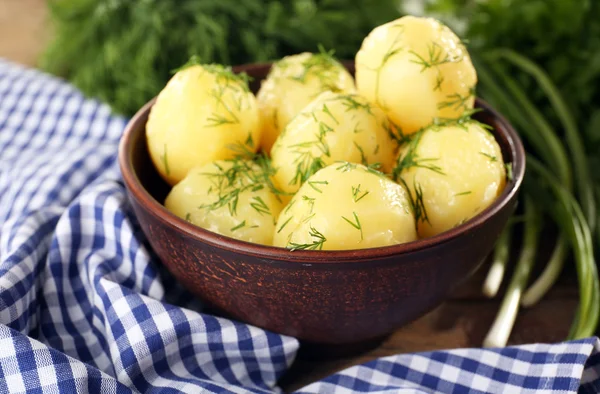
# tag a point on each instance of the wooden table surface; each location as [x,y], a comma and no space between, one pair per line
[460,322]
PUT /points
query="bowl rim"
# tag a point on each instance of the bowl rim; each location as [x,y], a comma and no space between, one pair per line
[273,253]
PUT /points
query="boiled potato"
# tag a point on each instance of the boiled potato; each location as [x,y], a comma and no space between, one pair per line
[453,172]
[292,83]
[417,70]
[346,206]
[201,113]
[333,127]
[228,197]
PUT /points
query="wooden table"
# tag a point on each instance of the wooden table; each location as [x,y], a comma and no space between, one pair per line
[461,322]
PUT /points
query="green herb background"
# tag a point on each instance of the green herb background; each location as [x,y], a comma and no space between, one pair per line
[123,51]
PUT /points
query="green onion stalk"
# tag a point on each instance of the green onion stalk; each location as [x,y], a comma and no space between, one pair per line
[573,211]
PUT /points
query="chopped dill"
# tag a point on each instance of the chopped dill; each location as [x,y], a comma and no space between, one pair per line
[327,111]
[284,224]
[509,171]
[239,226]
[165,161]
[356,224]
[317,243]
[358,194]
[462,193]
[434,58]
[491,157]
[314,183]
[363,158]
[456,101]
[411,158]
[188,216]
[259,205]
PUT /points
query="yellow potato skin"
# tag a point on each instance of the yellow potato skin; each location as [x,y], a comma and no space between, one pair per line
[416,69]
[292,84]
[458,170]
[346,206]
[256,210]
[333,127]
[199,114]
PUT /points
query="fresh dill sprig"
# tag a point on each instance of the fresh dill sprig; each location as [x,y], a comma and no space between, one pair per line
[328,113]
[313,184]
[363,158]
[411,159]
[435,57]
[164,160]
[358,194]
[321,65]
[316,244]
[248,172]
[509,171]
[259,205]
[456,100]
[356,224]
[284,224]
[239,226]
[419,204]
[492,158]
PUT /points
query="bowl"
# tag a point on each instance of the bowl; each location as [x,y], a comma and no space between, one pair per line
[325,297]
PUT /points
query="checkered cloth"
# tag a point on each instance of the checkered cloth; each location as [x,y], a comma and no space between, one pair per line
[84,306]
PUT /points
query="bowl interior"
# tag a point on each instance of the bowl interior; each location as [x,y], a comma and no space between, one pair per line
[153,190]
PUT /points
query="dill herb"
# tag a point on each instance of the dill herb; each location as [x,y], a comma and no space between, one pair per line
[289,206]
[314,183]
[328,113]
[411,158]
[439,79]
[395,132]
[318,239]
[322,66]
[311,202]
[165,161]
[492,158]
[244,175]
[509,171]
[358,194]
[456,101]
[376,149]
[356,223]
[188,216]
[259,205]
[462,193]
[435,57]
[351,104]
[239,226]
[363,158]
[284,224]
[250,140]
[419,204]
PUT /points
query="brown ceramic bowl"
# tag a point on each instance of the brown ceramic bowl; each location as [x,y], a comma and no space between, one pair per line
[330,297]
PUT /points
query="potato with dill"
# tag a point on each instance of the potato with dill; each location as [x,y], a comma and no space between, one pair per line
[201,112]
[292,83]
[233,197]
[417,70]
[346,206]
[333,127]
[453,172]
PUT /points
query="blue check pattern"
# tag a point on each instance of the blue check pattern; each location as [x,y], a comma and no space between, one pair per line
[85,307]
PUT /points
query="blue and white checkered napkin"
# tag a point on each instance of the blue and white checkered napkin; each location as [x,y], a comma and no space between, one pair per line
[85,307]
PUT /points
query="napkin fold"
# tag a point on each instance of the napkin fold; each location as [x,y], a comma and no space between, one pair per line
[85,306]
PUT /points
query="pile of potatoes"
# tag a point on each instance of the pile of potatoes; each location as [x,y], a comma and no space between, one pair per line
[319,160]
